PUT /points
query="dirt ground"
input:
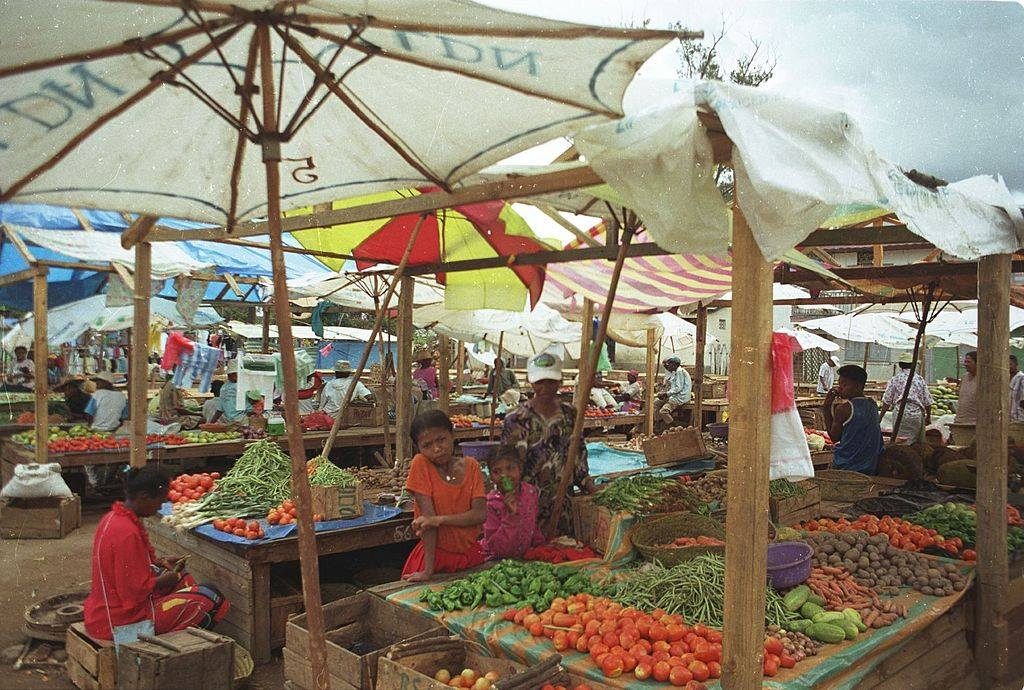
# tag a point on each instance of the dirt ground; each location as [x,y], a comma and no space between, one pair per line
[36,569]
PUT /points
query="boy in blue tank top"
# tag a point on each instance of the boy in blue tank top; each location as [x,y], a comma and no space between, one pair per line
[853,423]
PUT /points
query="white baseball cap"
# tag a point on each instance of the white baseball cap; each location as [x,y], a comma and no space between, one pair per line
[544,366]
[232,366]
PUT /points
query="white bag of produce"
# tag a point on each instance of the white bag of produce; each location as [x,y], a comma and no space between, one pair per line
[790,456]
[163,429]
[36,481]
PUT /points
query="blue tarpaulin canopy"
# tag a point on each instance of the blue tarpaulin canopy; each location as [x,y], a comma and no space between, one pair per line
[68,285]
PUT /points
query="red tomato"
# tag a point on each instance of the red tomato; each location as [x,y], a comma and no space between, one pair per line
[680,676]
[699,670]
[214,475]
[661,671]
[238,532]
[714,669]
[772,645]
[770,667]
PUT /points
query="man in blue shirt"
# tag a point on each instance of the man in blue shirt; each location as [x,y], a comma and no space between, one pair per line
[853,422]
[678,388]
[228,411]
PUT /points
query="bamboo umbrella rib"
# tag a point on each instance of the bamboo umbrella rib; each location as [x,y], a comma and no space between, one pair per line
[244,109]
[158,80]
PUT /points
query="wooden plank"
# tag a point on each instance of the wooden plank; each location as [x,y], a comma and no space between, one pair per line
[137,398]
[697,417]
[747,519]
[19,244]
[299,674]
[80,677]
[511,188]
[444,382]
[649,385]
[261,613]
[17,277]
[460,365]
[403,369]
[949,626]
[41,347]
[991,640]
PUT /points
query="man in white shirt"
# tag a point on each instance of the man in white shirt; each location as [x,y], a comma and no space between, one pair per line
[1016,391]
[21,373]
[108,407]
[678,388]
[826,375]
[334,391]
[632,390]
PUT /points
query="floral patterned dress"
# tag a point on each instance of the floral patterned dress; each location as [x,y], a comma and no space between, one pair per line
[546,442]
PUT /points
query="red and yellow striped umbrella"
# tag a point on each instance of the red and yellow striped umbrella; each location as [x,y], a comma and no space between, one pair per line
[472,231]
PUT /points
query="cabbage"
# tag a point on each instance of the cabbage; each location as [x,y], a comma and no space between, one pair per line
[815,442]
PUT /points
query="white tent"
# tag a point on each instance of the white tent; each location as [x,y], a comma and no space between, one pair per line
[255,332]
[355,291]
[525,333]
[66,323]
[865,327]
[809,340]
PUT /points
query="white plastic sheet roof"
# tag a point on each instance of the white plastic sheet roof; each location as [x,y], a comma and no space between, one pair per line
[255,332]
[521,333]
[794,162]
[356,291]
[865,327]
[66,323]
[458,84]
[809,340]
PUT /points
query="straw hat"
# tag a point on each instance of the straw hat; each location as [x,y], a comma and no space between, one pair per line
[906,358]
[421,354]
[232,366]
[105,376]
[343,366]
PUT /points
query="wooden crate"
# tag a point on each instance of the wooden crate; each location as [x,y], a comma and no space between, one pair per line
[285,601]
[714,390]
[91,664]
[783,509]
[336,503]
[364,618]
[415,667]
[822,459]
[361,414]
[675,446]
[189,658]
[39,518]
[595,525]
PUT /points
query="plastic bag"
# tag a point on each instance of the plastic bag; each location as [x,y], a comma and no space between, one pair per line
[33,480]
[790,457]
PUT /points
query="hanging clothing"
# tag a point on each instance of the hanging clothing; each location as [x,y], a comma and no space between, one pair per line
[305,365]
[176,345]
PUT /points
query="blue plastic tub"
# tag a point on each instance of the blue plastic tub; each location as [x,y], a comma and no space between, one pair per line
[477,450]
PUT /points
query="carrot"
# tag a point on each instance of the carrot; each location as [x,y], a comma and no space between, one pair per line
[870,618]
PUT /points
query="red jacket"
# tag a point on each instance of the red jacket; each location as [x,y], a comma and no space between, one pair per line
[123,580]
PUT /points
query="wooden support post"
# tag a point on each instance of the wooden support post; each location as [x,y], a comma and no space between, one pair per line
[265,341]
[385,396]
[138,382]
[444,375]
[460,365]
[746,524]
[926,305]
[698,367]
[41,348]
[309,561]
[866,348]
[991,626]
[652,373]
[581,367]
[587,379]
[494,384]
[403,373]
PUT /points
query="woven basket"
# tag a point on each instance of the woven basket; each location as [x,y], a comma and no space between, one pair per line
[648,536]
[244,665]
[843,485]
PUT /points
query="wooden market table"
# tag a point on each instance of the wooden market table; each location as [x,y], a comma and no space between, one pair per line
[243,573]
[12,453]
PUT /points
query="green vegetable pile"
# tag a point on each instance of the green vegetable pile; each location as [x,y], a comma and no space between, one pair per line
[259,481]
[694,588]
[638,493]
[783,488]
[326,473]
[512,583]
[960,520]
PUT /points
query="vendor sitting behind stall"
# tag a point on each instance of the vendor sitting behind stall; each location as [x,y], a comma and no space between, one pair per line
[107,408]
[425,375]
[632,390]
[211,406]
[853,423]
[504,381]
[677,389]
[599,395]
[171,407]
[75,398]
[21,372]
[228,411]
[334,391]
[133,592]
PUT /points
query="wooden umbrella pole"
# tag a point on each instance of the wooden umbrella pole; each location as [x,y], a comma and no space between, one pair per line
[444,377]
[388,458]
[308,555]
[460,364]
[378,321]
[587,326]
[494,383]
[576,440]
[39,332]
[698,367]
[265,339]
[138,382]
[926,305]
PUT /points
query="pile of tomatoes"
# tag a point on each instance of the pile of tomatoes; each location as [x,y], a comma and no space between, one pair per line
[169,439]
[240,528]
[685,542]
[189,487]
[317,421]
[902,534]
[286,514]
[592,412]
[87,444]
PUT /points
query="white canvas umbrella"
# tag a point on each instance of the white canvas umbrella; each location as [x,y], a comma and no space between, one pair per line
[809,340]
[521,333]
[866,327]
[224,111]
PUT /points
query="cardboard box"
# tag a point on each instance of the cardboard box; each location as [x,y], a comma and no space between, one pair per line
[189,658]
[595,525]
[39,518]
[675,446]
[416,667]
[785,511]
[362,414]
[360,629]
[91,664]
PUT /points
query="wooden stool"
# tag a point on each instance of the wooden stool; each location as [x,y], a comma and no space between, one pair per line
[91,664]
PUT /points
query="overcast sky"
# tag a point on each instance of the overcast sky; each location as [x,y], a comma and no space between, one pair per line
[937,86]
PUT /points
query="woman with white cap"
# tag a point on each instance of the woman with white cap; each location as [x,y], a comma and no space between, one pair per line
[918,412]
[108,407]
[678,389]
[542,427]
[228,409]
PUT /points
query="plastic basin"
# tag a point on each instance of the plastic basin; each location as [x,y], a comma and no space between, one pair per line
[477,450]
[719,430]
[789,563]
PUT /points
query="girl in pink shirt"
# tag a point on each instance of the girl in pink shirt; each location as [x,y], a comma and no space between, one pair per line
[511,525]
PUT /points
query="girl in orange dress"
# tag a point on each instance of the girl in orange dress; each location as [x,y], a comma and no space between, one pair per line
[451,504]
